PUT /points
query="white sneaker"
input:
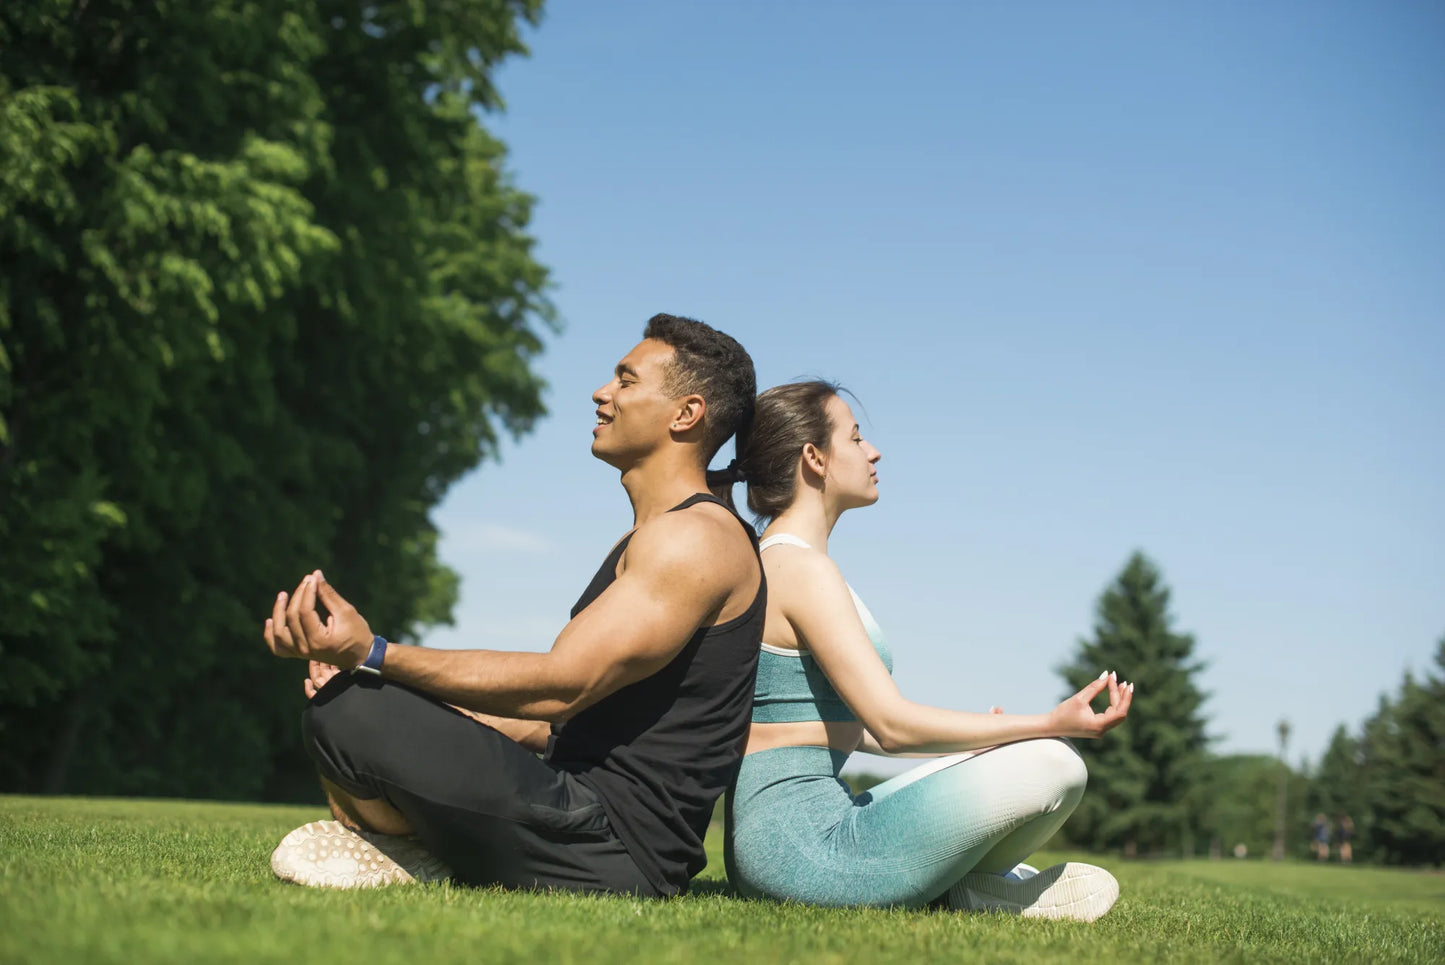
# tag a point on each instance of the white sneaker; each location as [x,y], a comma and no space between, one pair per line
[328,854]
[1020,871]
[1082,892]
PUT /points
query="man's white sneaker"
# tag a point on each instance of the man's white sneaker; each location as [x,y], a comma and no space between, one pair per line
[1074,890]
[327,854]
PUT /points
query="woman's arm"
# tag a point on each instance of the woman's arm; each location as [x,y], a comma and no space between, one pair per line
[815,600]
[868,744]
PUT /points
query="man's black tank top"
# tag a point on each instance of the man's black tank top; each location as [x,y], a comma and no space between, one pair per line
[659,752]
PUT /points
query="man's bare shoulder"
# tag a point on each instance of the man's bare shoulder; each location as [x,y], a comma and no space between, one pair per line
[705,539]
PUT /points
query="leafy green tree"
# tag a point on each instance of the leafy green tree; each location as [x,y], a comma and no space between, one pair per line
[268,293]
[1141,774]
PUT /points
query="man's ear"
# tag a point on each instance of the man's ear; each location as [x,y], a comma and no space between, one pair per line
[689,413]
[814,461]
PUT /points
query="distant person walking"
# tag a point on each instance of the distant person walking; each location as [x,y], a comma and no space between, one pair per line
[1347,831]
[952,830]
[1321,840]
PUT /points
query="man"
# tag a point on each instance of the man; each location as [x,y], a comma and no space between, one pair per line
[640,707]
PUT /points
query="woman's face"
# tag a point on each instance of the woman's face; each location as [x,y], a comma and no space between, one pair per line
[852,474]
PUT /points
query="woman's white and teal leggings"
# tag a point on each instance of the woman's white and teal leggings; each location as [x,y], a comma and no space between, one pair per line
[794,831]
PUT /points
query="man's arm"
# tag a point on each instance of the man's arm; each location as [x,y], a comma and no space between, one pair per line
[680,570]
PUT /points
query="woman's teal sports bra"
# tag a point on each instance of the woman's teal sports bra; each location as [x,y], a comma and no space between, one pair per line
[791,686]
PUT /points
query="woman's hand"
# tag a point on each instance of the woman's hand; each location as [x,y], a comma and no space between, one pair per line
[1075,718]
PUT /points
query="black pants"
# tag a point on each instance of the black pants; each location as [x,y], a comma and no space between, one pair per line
[481,802]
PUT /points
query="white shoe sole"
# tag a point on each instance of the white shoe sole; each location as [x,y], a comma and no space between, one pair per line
[1081,892]
[327,854]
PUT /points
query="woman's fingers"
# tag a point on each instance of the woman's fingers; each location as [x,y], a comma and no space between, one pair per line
[1091,690]
[1117,712]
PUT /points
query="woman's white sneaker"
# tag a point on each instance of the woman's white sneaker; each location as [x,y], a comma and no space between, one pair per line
[327,854]
[1021,871]
[1082,892]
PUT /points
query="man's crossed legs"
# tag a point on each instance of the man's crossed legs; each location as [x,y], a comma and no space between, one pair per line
[398,762]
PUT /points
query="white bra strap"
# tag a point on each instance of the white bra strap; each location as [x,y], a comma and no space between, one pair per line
[783,539]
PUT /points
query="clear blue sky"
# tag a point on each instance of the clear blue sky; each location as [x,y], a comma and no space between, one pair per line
[1105,276]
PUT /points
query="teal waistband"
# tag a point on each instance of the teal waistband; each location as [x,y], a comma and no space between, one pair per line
[783,763]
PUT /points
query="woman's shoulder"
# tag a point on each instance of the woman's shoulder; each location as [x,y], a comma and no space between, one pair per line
[801,571]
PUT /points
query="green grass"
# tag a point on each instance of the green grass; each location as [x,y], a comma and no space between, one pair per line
[125,881]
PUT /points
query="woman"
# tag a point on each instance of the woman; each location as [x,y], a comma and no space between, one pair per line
[952,829]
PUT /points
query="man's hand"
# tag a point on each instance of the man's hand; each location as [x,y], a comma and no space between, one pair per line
[1075,718]
[295,629]
[318,674]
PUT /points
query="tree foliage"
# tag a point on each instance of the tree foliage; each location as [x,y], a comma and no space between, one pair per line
[1236,801]
[1141,774]
[1390,778]
[268,293]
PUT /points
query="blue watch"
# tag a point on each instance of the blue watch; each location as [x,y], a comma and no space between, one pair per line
[372,663]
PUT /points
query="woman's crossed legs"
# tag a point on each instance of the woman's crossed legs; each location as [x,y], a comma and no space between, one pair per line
[907,841]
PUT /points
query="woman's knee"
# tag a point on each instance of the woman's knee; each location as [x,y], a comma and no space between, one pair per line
[1055,763]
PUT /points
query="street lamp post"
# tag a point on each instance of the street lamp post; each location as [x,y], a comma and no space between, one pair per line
[1279,817]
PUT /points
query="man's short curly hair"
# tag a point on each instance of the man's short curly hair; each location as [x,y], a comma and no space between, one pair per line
[713,365]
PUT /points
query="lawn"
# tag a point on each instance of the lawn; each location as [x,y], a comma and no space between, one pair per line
[101,880]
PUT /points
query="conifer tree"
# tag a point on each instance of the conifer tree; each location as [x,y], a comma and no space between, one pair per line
[1402,773]
[1141,774]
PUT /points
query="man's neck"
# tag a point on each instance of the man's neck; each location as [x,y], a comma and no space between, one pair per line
[659,483]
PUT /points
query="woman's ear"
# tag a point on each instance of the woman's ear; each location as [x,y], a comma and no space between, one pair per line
[814,460]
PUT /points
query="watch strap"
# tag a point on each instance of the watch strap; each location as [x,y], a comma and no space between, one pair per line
[372,663]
